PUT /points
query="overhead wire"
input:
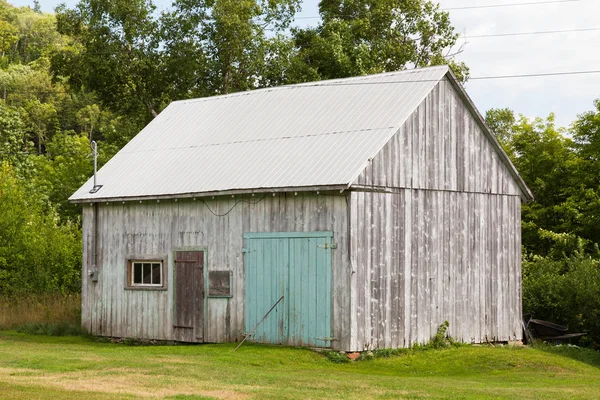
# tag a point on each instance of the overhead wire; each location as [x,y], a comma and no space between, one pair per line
[475,78]
[530,33]
[530,3]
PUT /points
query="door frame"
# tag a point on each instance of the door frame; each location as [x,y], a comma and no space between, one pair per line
[284,235]
[290,235]
[173,287]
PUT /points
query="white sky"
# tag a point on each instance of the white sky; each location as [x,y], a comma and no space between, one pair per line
[566,96]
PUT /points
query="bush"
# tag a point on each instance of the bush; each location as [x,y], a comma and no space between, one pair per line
[565,291]
[38,254]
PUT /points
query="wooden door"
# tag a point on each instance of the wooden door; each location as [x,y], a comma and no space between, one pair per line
[189,296]
[296,265]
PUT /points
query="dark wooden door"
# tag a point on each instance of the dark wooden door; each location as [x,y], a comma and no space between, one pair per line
[189,296]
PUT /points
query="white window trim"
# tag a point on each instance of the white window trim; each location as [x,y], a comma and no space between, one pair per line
[137,285]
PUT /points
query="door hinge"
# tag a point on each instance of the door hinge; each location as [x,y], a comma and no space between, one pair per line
[326,339]
[246,250]
[328,246]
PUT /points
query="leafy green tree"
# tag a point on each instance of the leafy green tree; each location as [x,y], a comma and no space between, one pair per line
[37,253]
[545,158]
[115,52]
[39,116]
[585,197]
[8,37]
[503,123]
[223,46]
[12,136]
[88,118]
[62,170]
[358,37]
[35,33]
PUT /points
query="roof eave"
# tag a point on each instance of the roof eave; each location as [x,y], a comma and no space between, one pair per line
[232,192]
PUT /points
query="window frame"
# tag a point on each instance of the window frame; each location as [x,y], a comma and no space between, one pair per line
[129,273]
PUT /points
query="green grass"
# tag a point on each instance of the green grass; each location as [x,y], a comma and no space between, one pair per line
[45,367]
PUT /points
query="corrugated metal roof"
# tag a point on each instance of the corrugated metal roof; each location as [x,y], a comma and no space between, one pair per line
[305,135]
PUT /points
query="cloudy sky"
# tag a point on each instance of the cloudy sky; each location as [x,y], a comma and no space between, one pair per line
[566,96]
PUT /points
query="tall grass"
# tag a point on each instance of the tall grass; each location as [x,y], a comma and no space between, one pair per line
[40,310]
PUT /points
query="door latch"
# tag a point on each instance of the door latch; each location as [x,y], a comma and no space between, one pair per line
[328,246]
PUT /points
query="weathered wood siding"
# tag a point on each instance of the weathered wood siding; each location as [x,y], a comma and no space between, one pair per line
[157,229]
[435,233]
[440,147]
[422,257]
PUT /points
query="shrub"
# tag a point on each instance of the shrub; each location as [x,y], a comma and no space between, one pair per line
[38,254]
[565,291]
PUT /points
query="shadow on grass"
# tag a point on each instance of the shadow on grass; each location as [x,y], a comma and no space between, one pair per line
[48,329]
[588,356]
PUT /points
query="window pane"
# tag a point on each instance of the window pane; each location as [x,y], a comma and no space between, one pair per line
[137,273]
[147,273]
[156,274]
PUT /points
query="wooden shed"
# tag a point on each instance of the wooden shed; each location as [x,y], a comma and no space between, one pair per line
[378,207]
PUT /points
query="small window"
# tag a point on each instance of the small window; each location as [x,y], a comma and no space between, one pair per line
[146,273]
[219,284]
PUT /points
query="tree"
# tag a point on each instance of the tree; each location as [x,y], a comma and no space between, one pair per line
[115,51]
[39,117]
[358,37]
[585,198]
[12,136]
[226,43]
[502,123]
[89,117]
[37,253]
[544,157]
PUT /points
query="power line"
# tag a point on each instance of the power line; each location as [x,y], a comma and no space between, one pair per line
[477,78]
[509,5]
[531,33]
[480,6]
[536,75]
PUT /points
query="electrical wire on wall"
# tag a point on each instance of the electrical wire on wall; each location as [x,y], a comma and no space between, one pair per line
[258,201]
[232,207]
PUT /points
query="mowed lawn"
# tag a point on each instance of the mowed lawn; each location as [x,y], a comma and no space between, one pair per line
[42,367]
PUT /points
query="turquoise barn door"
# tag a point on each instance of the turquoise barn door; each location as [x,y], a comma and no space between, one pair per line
[296,265]
[266,282]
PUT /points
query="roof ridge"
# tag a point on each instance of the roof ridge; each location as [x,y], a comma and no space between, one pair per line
[311,84]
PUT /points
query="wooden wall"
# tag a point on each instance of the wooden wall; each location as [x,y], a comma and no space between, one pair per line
[422,257]
[156,229]
[435,234]
[440,147]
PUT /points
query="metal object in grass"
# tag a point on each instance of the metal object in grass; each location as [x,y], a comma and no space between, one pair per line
[545,330]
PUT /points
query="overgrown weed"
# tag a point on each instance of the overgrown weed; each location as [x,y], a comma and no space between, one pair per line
[441,340]
[41,313]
